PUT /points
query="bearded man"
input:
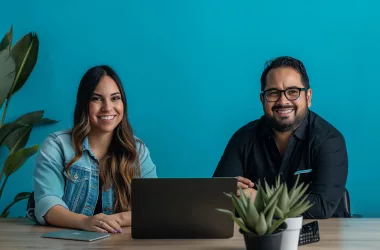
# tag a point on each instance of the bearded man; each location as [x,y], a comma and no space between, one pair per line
[289,140]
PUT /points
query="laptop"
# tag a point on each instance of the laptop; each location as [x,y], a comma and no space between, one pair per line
[181,208]
[80,235]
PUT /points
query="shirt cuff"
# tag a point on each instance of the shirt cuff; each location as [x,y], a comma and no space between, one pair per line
[43,206]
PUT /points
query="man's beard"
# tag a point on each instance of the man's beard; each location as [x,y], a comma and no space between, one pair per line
[286,126]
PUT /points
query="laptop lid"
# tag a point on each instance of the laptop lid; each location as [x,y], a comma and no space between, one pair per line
[80,235]
[180,208]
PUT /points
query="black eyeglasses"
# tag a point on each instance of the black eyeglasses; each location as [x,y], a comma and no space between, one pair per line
[273,95]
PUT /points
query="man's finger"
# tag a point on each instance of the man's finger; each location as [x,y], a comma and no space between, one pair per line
[245,181]
[242,185]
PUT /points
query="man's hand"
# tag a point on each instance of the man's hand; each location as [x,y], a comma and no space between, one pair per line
[243,183]
[246,185]
[250,192]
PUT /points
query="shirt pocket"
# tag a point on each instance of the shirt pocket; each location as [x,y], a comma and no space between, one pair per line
[76,188]
[305,175]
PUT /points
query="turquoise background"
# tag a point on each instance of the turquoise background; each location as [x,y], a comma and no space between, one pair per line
[191,70]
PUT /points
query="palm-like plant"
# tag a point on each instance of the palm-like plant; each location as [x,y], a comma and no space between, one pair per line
[16,64]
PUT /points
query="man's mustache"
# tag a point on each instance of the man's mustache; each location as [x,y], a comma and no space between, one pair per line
[283,107]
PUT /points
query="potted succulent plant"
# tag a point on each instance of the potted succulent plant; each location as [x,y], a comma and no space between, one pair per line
[257,220]
[264,220]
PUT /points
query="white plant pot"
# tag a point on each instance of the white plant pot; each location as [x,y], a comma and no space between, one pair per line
[291,235]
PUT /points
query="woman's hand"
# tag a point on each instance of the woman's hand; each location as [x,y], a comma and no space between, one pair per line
[101,223]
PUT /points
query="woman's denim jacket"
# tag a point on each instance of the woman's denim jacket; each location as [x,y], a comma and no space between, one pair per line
[79,194]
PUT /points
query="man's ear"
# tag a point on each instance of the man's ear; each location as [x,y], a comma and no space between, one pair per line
[262,99]
[309,95]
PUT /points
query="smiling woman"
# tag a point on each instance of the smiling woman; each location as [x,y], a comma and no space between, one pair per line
[106,107]
[84,174]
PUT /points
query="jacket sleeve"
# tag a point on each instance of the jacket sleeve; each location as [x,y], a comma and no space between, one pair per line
[48,178]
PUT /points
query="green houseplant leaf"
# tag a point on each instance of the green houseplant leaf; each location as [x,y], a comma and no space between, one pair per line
[17,159]
[20,136]
[7,129]
[7,75]
[16,65]
[5,214]
[6,42]
[19,197]
[25,53]
[30,118]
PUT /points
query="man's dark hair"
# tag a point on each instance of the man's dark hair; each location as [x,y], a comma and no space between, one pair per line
[285,61]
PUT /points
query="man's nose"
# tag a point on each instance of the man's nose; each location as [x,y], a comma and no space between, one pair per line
[283,100]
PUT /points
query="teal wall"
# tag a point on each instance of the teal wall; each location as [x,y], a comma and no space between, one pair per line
[191,70]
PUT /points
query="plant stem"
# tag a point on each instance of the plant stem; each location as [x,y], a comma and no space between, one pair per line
[5,111]
[3,185]
[10,205]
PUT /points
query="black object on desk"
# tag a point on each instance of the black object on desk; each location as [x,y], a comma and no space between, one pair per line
[309,233]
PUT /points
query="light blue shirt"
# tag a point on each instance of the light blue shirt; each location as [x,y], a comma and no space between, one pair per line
[52,185]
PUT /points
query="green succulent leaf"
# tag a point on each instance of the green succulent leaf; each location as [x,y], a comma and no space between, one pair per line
[279,213]
[7,75]
[294,194]
[237,220]
[294,187]
[299,195]
[241,225]
[284,200]
[261,226]
[298,210]
[273,198]
[239,206]
[259,200]
[299,202]
[270,214]
[275,225]
[268,190]
[243,197]
[228,195]
[225,211]
[252,214]
[278,182]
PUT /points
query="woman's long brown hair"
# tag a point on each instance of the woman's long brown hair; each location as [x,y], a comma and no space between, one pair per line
[122,163]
